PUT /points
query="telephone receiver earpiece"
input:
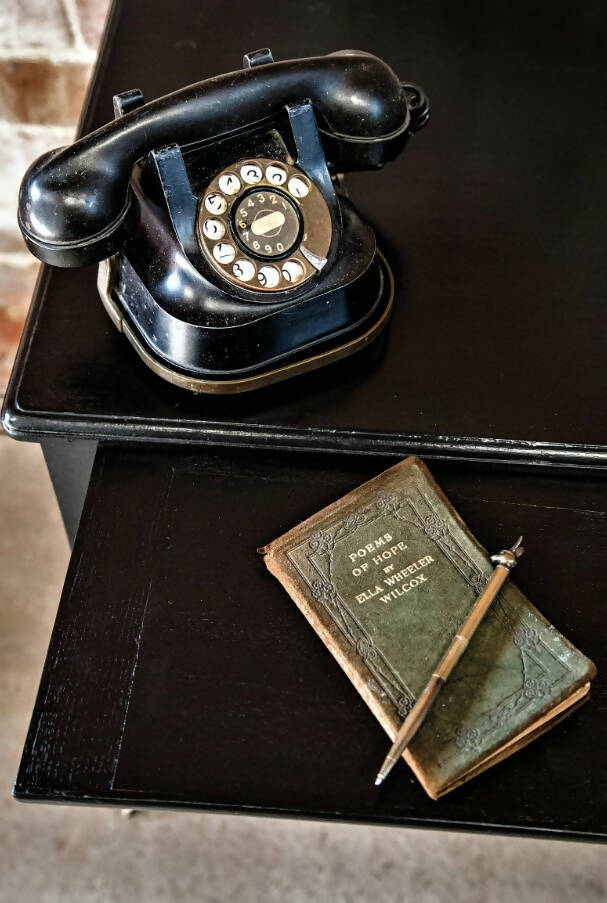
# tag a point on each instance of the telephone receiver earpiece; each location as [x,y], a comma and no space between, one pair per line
[76,207]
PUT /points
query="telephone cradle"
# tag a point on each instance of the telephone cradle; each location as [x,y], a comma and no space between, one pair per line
[229,254]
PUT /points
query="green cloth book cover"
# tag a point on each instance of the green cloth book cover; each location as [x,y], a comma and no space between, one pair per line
[385,576]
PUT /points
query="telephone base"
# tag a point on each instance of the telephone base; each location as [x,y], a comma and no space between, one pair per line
[355,341]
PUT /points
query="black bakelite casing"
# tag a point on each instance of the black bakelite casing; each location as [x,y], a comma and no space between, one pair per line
[130,193]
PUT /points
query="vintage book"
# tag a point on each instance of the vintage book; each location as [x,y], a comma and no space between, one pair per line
[385,576]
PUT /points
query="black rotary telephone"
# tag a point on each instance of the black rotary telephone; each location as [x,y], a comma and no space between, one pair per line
[229,256]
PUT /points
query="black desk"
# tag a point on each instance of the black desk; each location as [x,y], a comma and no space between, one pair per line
[492,220]
[180,673]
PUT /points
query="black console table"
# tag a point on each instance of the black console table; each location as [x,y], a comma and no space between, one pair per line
[179,673]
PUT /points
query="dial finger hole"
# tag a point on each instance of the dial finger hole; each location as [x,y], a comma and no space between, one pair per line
[215,203]
[250,173]
[229,183]
[213,229]
[244,270]
[298,186]
[268,277]
[292,271]
[224,252]
[276,175]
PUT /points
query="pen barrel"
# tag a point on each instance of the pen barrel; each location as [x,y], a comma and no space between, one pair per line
[456,649]
[415,718]
[451,657]
[479,609]
[476,615]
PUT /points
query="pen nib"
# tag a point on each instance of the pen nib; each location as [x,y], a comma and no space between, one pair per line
[378,780]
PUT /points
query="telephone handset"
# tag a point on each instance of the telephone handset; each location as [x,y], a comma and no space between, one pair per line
[229,254]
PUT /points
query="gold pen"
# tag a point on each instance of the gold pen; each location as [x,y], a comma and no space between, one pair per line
[504,562]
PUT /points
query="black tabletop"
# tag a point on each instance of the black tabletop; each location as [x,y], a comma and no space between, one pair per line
[493,220]
[181,674]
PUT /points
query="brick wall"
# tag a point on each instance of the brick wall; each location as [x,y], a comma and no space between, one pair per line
[47,49]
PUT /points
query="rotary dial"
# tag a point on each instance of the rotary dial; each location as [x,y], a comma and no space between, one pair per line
[264,225]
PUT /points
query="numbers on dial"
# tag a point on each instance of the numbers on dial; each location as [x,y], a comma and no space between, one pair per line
[214,229]
[292,271]
[215,203]
[224,252]
[268,277]
[251,173]
[254,226]
[244,270]
[229,183]
[298,186]
[276,175]
[267,222]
